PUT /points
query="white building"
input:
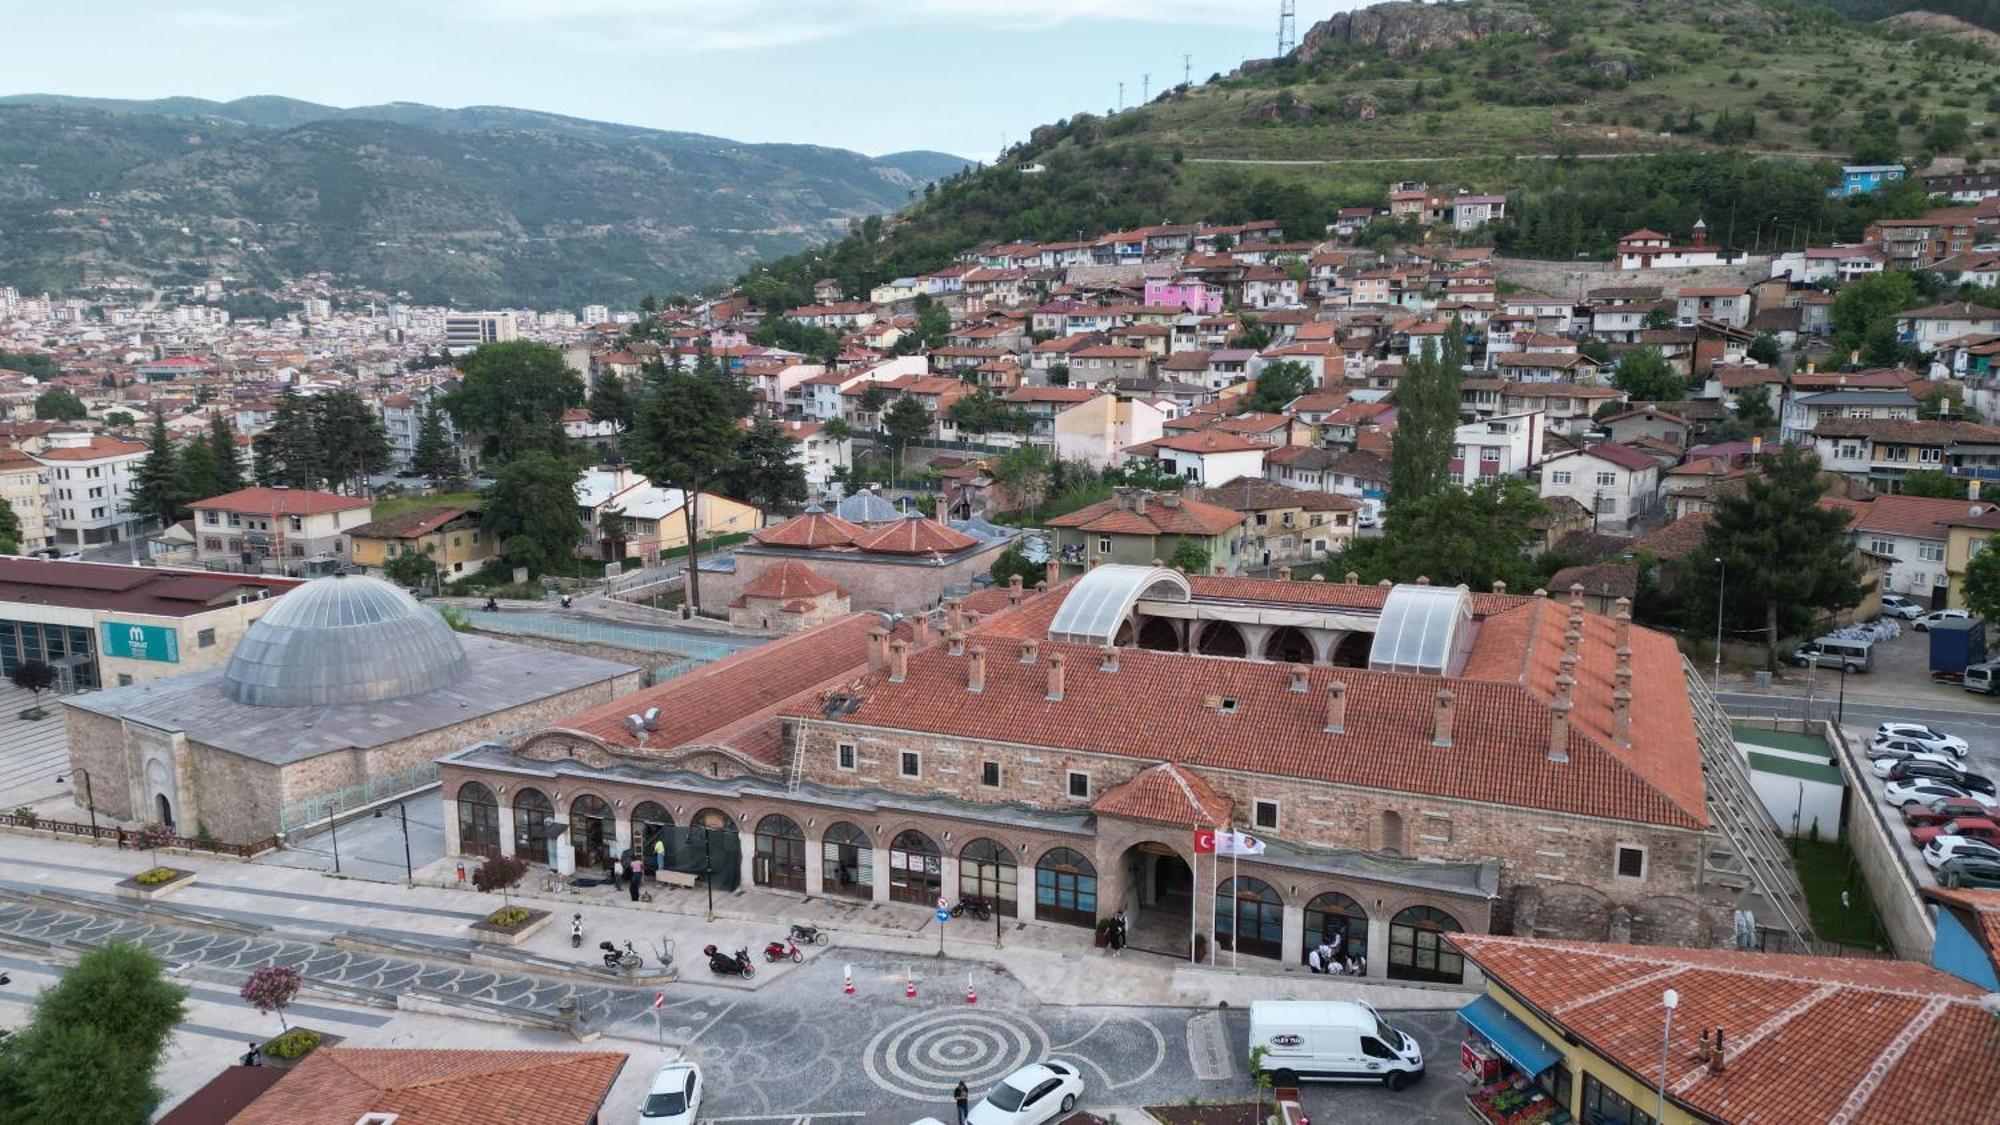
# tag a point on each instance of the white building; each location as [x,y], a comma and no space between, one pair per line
[1617,483]
[1205,456]
[1803,413]
[1503,445]
[1929,327]
[470,330]
[818,452]
[90,487]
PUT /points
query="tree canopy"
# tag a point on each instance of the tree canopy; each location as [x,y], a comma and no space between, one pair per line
[433,454]
[1982,584]
[57,404]
[88,1053]
[531,508]
[512,396]
[685,436]
[767,470]
[1277,384]
[157,483]
[1474,536]
[1643,374]
[1427,400]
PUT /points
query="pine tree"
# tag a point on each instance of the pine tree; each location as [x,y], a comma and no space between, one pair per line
[289,452]
[156,487]
[350,437]
[685,437]
[433,455]
[228,458]
[197,477]
[1427,400]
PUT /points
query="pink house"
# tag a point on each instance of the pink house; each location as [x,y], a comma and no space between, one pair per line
[1187,293]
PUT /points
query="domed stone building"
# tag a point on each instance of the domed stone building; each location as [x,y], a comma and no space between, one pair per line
[345,692]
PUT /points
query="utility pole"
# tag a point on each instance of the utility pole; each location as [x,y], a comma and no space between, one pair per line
[1145,88]
[1121,97]
[1187,70]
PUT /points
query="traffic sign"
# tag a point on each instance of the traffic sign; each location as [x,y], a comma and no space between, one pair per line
[943,915]
[659,1000]
[942,904]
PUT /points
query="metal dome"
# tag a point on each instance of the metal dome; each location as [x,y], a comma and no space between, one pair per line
[343,639]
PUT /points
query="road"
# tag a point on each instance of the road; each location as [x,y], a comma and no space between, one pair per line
[1495,155]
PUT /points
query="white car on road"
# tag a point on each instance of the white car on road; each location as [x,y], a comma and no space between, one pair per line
[1923,624]
[675,1096]
[1929,738]
[1945,847]
[1035,1093]
[1900,793]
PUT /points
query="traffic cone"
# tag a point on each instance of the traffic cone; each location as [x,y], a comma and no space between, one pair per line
[910,990]
[847,988]
[971,997]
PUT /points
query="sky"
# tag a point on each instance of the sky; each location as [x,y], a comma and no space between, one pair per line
[877,76]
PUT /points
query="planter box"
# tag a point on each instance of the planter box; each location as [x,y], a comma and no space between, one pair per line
[326,1039]
[485,931]
[132,888]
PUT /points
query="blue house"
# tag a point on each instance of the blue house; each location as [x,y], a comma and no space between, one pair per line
[1860,179]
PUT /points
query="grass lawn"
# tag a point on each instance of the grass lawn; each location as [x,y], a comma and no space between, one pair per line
[386,507]
[1826,868]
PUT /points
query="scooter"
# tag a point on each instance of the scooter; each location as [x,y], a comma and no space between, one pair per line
[977,907]
[723,965]
[616,958]
[576,931]
[808,935]
[779,950]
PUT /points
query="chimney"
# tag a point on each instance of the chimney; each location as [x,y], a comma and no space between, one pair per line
[1029,649]
[954,616]
[1621,716]
[1715,1060]
[1336,707]
[1139,502]
[1171,500]
[975,669]
[920,630]
[1423,579]
[971,619]
[1499,585]
[1704,1052]
[1055,678]
[1443,718]
[1566,663]
[1541,593]
[1110,661]
[1052,571]
[1013,589]
[1298,677]
[1284,574]
[899,660]
[1576,601]
[1559,729]
[956,643]
[1317,577]
[878,649]
[1352,578]
[1624,621]
[1220,571]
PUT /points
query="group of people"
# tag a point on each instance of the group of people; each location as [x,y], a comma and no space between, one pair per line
[1326,957]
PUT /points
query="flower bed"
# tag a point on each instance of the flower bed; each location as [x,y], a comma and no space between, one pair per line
[154,882]
[1502,1104]
[510,925]
[287,1050]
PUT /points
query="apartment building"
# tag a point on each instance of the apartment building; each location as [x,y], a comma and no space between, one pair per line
[90,479]
[291,531]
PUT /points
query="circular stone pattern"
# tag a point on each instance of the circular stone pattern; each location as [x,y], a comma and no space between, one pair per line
[923,1056]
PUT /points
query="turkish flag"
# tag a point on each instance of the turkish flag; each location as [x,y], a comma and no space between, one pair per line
[1204,841]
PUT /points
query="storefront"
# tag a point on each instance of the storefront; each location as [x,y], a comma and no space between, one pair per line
[1516,1077]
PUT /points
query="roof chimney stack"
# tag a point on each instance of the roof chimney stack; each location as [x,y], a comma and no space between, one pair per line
[1284,574]
[920,630]
[1013,589]
[1559,729]
[1442,737]
[1055,678]
[1624,619]
[1052,571]
[1029,650]
[878,649]
[1621,716]
[1298,677]
[1499,585]
[1336,707]
[975,669]
[1715,1060]
[954,616]
[1353,578]
[899,660]
[1576,600]
[1110,661]
[956,643]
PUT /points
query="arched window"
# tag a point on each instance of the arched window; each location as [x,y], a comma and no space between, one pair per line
[1353,649]
[714,820]
[650,822]
[478,820]
[986,870]
[712,837]
[847,862]
[1392,832]
[532,813]
[1065,888]
[781,853]
[1249,917]
[1340,922]
[591,830]
[1159,634]
[1223,638]
[1418,950]
[915,873]
[1289,644]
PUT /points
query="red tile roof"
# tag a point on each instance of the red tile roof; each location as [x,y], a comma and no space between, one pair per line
[1180,517]
[99,448]
[410,525]
[914,535]
[1166,794]
[1919,517]
[282,502]
[1808,1040]
[1675,539]
[1623,456]
[341,1085]
[815,529]
[789,579]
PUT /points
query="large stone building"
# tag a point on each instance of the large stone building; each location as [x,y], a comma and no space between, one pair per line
[1419,760]
[344,692]
[904,564]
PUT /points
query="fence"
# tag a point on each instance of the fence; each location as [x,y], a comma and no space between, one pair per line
[300,814]
[119,835]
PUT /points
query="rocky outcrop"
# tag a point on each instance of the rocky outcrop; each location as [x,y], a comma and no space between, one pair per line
[1402,29]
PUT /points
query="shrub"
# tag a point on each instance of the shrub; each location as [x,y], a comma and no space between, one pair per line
[153,877]
[507,917]
[25,812]
[292,1044]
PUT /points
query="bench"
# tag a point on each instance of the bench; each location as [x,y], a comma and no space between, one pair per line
[686,879]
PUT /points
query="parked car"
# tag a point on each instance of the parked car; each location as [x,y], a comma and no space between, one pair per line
[1970,871]
[1930,738]
[1951,847]
[1976,827]
[1924,623]
[675,1095]
[1949,773]
[1849,653]
[1885,761]
[1037,1092]
[1896,605]
[1941,810]
[1900,793]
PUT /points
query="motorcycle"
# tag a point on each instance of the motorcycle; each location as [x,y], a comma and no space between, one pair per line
[978,907]
[779,950]
[723,965]
[616,958]
[576,931]
[808,935]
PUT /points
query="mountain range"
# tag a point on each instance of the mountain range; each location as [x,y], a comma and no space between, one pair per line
[481,205]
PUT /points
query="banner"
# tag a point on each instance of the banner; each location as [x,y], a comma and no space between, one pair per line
[1232,842]
[1204,841]
[141,642]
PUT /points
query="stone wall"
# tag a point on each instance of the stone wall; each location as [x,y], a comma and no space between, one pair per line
[1574,279]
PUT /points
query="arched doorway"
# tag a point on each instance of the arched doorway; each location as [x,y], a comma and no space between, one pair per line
[650,821]
[165,808]
[1288,644]
[1249,917]
[847,862]
[532,813]
[1065,888]
[1340,922]
[1222,638]
[1418,950]
[915,871]
[591,830]
[986,870]
[478,820]
[1353,650]
[712,833]
[781,853]
[1160,634]
[1392,832]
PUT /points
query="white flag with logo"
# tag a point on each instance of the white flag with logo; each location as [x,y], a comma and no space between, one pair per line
[1232,842]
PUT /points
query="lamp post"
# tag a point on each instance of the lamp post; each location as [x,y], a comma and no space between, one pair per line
[333,825]
[89,801]
[1721,578]
[1669,1000]
[409,871]
[708,867]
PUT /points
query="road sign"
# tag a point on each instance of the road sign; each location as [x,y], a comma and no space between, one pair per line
[659,1000]
[943,915]
[942,904]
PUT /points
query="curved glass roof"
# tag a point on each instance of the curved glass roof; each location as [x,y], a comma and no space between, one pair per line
[1424,629]
[343,639]
[1103,598]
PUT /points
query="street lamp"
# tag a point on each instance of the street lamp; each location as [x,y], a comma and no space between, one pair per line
[89,801]
[333,825]
[1669,1000]
[1721,577]
[409,871]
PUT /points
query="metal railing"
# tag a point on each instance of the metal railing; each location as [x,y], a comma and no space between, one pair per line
[119,835]
[300,814]
[588,631]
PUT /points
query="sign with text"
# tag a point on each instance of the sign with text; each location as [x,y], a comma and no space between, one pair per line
[141,642]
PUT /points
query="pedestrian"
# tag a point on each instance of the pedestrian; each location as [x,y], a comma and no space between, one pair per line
[1314,962]
[121,837]
[960,1096]
[253,1057]
[638,875]
[1117,933]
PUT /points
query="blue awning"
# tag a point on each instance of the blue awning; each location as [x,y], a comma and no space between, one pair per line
[1510,1036]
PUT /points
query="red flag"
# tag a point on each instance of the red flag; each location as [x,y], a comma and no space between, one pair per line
[1204,841]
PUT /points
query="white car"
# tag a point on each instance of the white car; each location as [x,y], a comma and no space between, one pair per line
[675,1096]
[1900,793]
[1882,763]
[1895,605]
[1932,740]
[1943,847]
[1923,624]
[1035,1093]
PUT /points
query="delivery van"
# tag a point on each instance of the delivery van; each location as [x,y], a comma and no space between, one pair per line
[1332,1040]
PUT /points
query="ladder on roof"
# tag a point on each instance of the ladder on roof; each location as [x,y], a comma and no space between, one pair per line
[1748,854]
[798,759]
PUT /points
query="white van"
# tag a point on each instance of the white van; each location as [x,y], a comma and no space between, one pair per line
[1853,654]
[1332,1040]
[1983,678]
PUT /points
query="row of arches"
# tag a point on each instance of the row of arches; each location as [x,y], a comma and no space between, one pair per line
[1286,644]
[1249,918]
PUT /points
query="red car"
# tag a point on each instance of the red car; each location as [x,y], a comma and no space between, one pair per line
[1938,810]
[1975,827]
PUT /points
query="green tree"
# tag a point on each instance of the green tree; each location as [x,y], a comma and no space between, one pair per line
[1932,483]
[1753,407]
[88,1053]
[10,530]
[531,508]
[288,451]
[874,397]
[1012,562]
[838,429]
[1022,475]
[1946,132]
[612,528]
[1189,557]
[1865,309]
[612,401]
[1982,585]
[1427,399]
[685,437]
[433,455]
[1787,559]
[1279,383]
[1644,375]
[512,396]
[119,419]
[156,487]
[38,364]
[58,405]
[411,568]
[905,421]
[1254,335]
[351,438]
[767,470]
[1945,401]
[1474,536]
[223,450]
[198,477]
[1764,349]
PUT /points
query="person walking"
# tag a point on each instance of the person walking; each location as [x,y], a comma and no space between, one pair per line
[960,1096]
[635,876]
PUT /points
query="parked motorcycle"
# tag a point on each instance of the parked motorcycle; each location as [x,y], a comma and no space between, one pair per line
[576,931]
[723,965]
[808,935]
[977,907]
[616,958]
[779,950]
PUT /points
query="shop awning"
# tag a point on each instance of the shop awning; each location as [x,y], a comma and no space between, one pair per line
[1509,1036]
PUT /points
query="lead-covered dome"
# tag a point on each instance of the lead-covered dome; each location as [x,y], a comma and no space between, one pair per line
[343,639]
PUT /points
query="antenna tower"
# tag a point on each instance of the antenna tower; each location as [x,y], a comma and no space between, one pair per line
[1145,88]
[1187,70]
[1288,27]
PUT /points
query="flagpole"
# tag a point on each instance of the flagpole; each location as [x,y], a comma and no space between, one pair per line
[1235,917]
[1194,903]
[1214,923]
